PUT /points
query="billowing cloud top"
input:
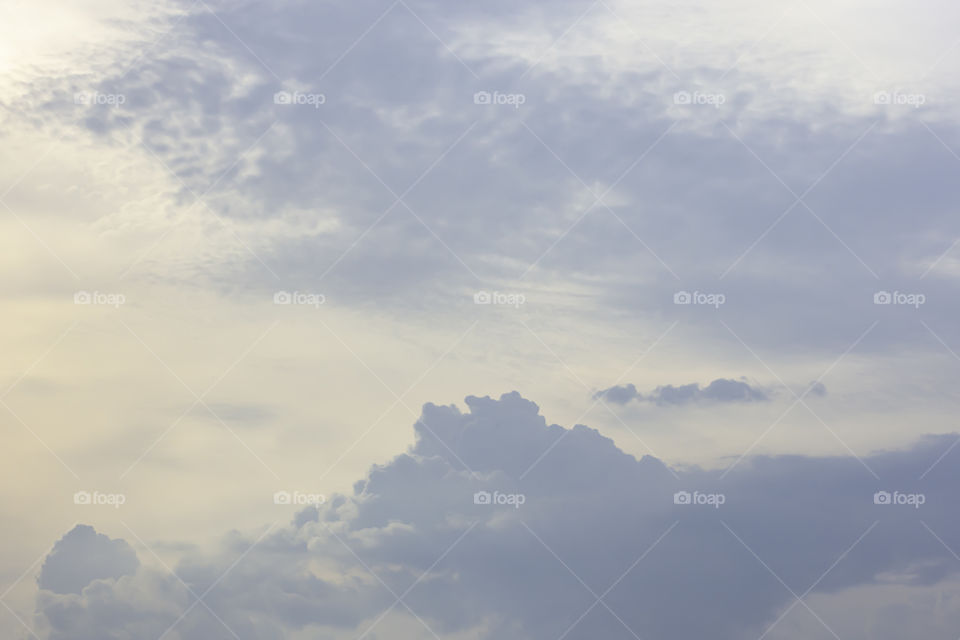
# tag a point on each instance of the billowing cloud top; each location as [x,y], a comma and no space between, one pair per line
[82,556]
[474,531]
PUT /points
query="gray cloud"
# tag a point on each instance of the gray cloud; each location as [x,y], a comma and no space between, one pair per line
[619,394]
[82,556]
[673,570]
[500,199]
[720,390]
[817,388]
[518,186]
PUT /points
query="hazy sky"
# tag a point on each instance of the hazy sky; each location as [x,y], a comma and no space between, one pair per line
[372,254]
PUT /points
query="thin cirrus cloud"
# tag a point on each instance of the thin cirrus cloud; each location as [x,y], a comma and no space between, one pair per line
[590,522]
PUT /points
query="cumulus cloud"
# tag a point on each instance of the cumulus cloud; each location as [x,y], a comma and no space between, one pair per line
[82,556]
[418,545]
[720,390]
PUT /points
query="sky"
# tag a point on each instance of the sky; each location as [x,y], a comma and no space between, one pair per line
[415,319]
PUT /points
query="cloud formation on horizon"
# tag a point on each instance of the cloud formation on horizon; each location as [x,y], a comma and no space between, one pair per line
[417,542]
[720,390]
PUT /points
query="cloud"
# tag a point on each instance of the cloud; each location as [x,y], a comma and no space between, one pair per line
[720,390]
[620,394]
[711,192]
[593,521]
[723,390]
[308,196]
[817,388]
[82,556]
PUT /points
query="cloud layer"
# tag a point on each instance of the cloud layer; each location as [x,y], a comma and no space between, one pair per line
[414,544]
[720,390]
[745,186]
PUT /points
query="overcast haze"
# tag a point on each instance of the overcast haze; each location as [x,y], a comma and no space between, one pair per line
[417,319]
